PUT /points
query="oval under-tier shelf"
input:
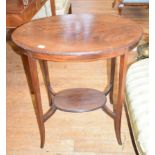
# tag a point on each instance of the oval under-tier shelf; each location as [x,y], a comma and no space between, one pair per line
[79,100]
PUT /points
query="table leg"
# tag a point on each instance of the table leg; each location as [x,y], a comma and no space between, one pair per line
[45,72]
[120,99]
[70,9]
[30,68]
[112,75]
[53,7]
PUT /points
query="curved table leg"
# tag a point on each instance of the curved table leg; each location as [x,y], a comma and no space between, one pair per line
[120,99]
[45,72]
[30,68]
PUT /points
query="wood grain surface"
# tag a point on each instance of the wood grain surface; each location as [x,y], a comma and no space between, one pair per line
[78,37]
[79,100]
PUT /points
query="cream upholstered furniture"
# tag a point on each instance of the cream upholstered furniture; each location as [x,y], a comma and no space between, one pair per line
[137,103]
[121,3]
[59,7]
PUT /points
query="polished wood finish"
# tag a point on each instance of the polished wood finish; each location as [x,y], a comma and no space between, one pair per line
[30,68]
[45,72]
[120,98]
[112,76]
[101,38]
[94,37]
[59,39]
[79,100]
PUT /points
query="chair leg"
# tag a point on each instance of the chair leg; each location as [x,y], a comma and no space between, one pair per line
[30,68]
[120,99]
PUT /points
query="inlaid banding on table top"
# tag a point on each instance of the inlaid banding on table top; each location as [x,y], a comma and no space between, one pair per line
[78,35]
[79,100]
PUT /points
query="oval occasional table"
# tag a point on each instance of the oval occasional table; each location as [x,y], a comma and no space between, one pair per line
[81,37]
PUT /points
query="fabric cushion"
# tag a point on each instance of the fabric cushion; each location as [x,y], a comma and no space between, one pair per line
[136,1]
[62,7]
[137,101]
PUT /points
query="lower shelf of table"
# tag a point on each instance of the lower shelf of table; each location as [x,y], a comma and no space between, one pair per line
[79,100]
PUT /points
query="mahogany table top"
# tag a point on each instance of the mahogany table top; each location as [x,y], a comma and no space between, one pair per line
[78,37]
